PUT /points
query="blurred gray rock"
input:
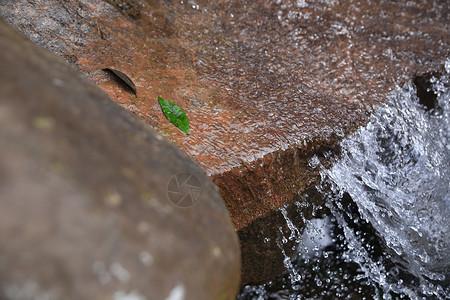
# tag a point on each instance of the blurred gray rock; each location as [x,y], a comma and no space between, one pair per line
[85,212]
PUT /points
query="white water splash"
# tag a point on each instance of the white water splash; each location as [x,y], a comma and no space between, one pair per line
[397,171]
[389,201]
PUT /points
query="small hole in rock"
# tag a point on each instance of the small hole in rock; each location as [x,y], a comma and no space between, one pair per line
[425,93]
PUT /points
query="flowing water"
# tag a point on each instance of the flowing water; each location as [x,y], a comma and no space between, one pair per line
[385,230]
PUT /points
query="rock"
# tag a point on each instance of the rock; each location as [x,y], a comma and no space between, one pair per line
[265,84]
[85,208]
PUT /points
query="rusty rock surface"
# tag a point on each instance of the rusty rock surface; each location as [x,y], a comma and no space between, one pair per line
[265,84]
[84,211]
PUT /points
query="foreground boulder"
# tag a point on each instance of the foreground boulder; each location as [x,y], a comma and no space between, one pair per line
[85,210]
[266,85]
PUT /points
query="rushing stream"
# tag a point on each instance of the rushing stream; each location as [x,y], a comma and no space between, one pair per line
[385,230]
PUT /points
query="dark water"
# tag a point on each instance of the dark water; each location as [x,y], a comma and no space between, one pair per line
[385,230]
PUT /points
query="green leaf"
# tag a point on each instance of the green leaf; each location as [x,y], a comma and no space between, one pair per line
[175,114]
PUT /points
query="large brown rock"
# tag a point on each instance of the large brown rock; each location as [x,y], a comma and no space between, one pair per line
[266,84]
[85,212]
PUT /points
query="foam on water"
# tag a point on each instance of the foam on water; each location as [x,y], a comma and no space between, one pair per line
[388,203]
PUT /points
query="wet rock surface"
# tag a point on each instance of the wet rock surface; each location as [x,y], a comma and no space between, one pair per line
[84,211]
[265,84]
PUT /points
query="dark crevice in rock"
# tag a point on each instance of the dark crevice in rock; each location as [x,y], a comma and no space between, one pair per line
[254,195]
[261,240]
[427,97]
[129,8]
